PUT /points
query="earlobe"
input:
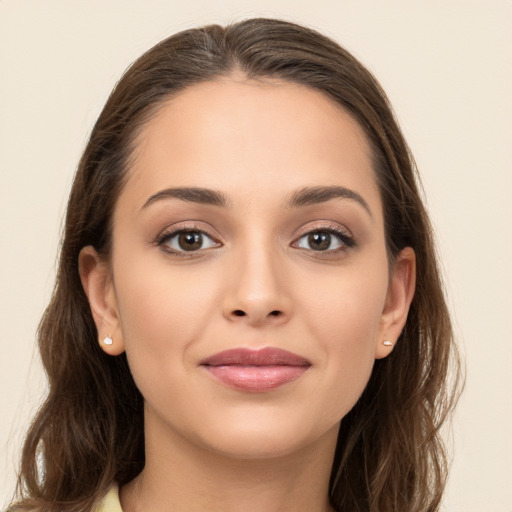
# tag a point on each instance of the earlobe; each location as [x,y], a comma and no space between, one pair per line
[400,293]
[96,278]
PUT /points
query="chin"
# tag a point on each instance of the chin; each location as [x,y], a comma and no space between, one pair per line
[265,439]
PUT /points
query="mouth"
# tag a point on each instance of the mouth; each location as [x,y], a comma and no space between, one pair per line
[255,371]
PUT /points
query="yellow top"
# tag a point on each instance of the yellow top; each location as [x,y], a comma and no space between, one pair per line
[110,502]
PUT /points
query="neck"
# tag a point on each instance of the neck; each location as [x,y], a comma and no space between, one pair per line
[184,477]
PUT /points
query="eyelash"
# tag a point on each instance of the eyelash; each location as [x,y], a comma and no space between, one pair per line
[169,235]
[346,240]
[343,237]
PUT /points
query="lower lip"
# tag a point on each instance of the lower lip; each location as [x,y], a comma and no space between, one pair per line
[256,379]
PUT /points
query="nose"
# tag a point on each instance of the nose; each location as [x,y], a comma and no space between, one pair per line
[258,290]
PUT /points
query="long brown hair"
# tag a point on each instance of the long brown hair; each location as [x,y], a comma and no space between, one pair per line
[89,432]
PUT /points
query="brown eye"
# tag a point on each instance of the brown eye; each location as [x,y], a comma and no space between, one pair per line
[324,240]
[187,241]
[319,241]
[190,241]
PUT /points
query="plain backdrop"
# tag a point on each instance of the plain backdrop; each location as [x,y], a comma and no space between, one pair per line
[447,68]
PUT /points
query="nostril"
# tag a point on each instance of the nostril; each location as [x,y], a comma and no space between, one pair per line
[275,312]
[239,312]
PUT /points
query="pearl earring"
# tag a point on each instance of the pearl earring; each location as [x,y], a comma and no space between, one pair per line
[387,343]
[108,340]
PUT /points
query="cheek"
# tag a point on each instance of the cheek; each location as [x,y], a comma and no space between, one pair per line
[162,312]
[345,318]
[346,305]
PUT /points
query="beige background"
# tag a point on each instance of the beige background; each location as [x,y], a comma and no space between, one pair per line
[447,67]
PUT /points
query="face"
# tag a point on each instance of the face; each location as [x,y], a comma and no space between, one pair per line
[249,280]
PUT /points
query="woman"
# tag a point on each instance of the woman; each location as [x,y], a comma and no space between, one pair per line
[248,312]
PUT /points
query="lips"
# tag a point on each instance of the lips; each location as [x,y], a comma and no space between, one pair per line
[256,370]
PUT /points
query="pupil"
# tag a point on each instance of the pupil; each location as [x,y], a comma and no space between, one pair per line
[319,241]
[190,241]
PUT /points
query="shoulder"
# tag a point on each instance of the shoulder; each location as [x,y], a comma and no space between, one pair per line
[110,502]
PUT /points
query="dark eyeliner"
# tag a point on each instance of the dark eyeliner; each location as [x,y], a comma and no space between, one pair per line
[344,237]
[167,235]
[347,240]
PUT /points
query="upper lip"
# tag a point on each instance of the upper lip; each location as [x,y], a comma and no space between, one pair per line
[268,356]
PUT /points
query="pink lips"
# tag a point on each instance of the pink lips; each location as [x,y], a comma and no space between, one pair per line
[256,370]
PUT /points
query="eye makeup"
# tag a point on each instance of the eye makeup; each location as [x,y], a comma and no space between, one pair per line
[325,238]
[191,240]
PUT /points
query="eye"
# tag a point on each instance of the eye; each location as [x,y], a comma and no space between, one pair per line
[187,241]
[324,240]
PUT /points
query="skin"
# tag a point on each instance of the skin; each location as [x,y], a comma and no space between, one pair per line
[256,282]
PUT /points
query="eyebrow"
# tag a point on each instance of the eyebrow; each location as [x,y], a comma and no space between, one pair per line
[191,194]
[305,197]
[314,195]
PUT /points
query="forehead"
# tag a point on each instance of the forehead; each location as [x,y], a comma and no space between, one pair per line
[265,137]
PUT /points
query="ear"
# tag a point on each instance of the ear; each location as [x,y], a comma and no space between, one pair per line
[96,277]
[400,293]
